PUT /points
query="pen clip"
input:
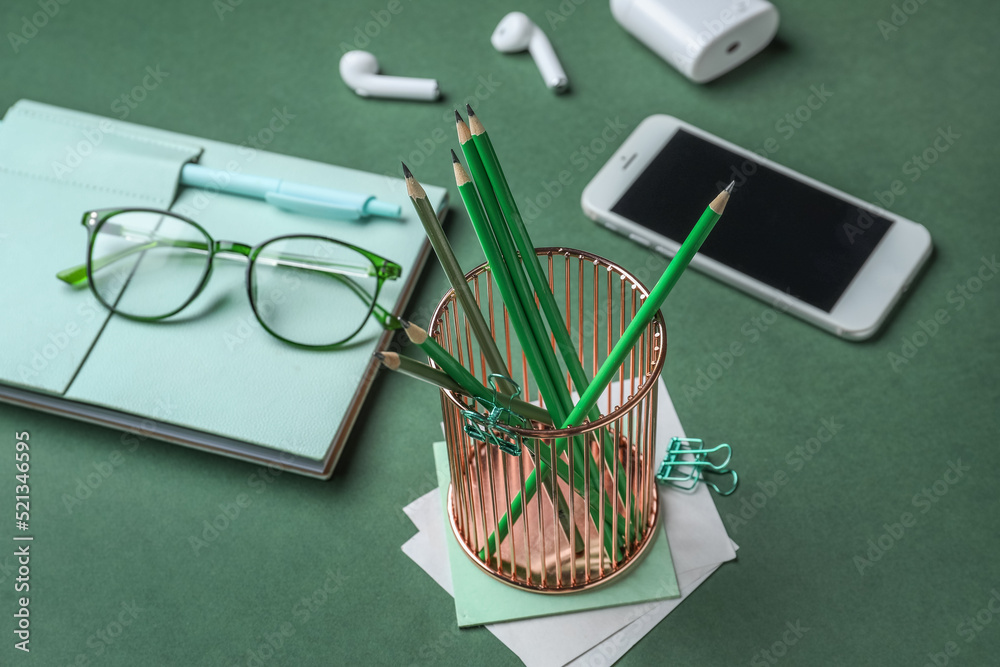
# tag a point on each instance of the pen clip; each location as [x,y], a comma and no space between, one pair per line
[320,209]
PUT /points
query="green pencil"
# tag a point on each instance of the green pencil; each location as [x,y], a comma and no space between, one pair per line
[505,283]
[466,380]
[452,269]
[518,319]
[508,251]
[496,241]
[522,240]
[472,387]
[439,378]
[649,307]
[482,158]
[628,339]
[507,225]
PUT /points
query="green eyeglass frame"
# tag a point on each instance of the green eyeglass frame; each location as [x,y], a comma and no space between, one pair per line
[382,269]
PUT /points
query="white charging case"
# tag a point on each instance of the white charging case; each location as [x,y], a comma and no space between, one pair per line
[703,39]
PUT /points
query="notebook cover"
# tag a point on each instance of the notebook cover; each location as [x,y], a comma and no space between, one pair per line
[213,370]
[54,165]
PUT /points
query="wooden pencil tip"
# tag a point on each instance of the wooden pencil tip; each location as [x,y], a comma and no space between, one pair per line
[413,332]
[454,158]
[458,117]
[719,203]
[468,110]
[464,134]
[461,176]
[413,188]
[475,126]
[390,360]
[379,356]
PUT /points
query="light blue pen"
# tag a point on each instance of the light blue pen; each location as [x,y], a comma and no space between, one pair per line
[296,197]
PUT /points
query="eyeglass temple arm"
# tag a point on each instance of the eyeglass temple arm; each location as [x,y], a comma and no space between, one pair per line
[77,275]
[388,321]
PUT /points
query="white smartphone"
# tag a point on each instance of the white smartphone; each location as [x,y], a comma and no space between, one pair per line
[791,241]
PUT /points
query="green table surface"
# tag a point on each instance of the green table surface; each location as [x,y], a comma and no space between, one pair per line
[316,568]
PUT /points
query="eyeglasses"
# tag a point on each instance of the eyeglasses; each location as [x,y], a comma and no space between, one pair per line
[306,290]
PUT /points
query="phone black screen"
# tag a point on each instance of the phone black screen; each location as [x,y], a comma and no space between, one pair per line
[777,230]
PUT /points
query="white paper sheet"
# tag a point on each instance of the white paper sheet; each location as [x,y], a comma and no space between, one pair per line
[698,543]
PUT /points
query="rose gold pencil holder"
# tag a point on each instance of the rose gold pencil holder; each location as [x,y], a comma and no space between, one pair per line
[594,510]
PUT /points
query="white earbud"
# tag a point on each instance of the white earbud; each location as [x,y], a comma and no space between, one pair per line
[359,70]
[516,32]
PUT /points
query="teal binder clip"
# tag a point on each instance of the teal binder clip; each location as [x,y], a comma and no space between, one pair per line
[691,454]
[494,428]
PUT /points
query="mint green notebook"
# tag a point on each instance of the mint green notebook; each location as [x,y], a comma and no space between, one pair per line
[211,378]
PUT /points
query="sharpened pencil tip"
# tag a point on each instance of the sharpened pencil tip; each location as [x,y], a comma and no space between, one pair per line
[468,109]
[406,170]
[379,356]
[458,117]
[405,323]
[719,203]
[454,158]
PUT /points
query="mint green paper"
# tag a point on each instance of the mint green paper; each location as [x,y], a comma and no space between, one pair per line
[480,599]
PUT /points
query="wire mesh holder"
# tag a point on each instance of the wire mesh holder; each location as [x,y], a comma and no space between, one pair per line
[594,513]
